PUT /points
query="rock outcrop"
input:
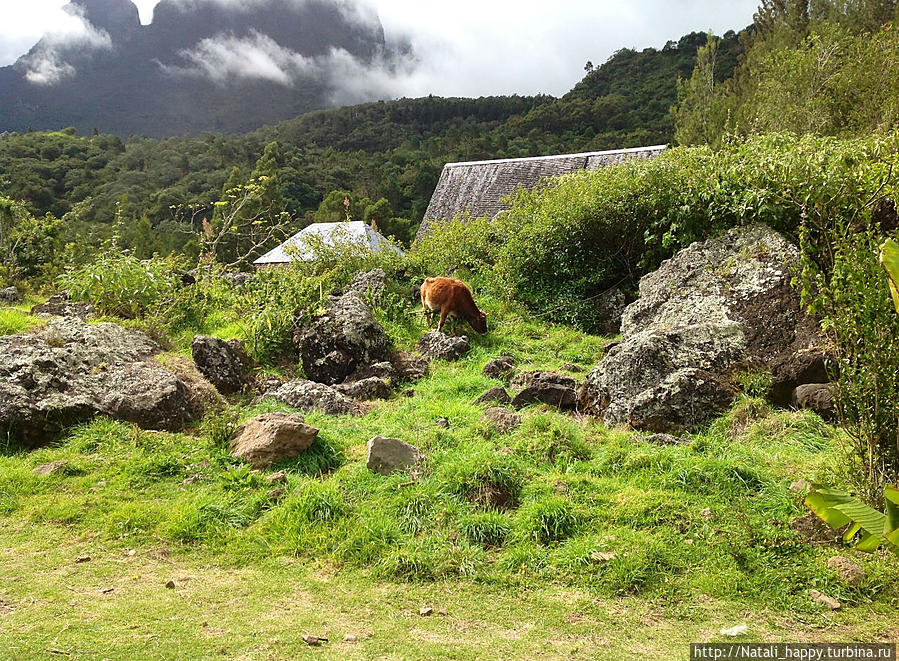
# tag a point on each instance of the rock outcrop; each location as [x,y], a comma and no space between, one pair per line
[219,362]
[71,371]
[716,307]
[345,337]
[437,345]
[59,305]
[10,296]
[271,438]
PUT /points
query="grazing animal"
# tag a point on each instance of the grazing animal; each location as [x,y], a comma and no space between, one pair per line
[452,298]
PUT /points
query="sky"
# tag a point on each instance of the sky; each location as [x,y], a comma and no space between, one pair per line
[471,47]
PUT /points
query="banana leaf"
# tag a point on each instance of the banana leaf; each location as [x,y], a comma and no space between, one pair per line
[868,527]
[889,259]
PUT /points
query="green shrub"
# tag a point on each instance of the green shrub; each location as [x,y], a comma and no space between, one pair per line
[487,529]
[547,520]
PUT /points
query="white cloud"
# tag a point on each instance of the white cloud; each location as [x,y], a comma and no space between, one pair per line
[70,33]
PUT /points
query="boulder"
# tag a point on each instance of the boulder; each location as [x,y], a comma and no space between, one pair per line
[547,387]
[308,395]
[499,368]
[340,340]
[10,295]
[45,470]
[496,395]
[383,370]
[716,307]
[370,388]
[369,284]
[408,366]
[386,455]
[502,420]
[59,305]
[817,397]
[219,362]
[847,569]
[610,306]
[791,370]
[437,345]
[271,438]
[71,371]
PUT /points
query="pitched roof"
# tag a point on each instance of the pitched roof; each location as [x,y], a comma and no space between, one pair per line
[479,187]
[329,234]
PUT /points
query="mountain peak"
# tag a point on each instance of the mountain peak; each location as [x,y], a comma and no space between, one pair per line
[117,17]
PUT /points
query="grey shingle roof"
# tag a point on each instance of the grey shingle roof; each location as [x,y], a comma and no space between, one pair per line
[330,234]
[478,187]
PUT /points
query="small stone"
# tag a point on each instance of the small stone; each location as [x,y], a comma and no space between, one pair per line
[270,438]
[571,367]
[706,513]
[314,641]
[603,556]
[822,598]
[49,469]
[425,611]
[733,632]
[170,585]
[190,479]
[662,439]
[689,542]
[443,612]
[409,392]
[275,494]
[276,478]
[847,569]
[349,638]
[10,295]
[799,486]
[445,347]
[82,558]
[443,423]
[499,368]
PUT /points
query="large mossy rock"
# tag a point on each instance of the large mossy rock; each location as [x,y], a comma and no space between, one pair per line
[341,340]
[716,307]
[71,371]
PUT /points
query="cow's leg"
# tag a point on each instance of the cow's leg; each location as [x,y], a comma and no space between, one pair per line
[443,314]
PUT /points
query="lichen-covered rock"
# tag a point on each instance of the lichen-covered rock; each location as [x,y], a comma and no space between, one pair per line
[271,438]
[502,420]
[547,387]
[715,307]
[848,570]
[59,305]
[10,295]
[369,283]
[219,362]
[499,368]
[369,388]
[308,395]
[386,455]
[340,340]
[437,345]
[71,371]
[610,306]
[408,366]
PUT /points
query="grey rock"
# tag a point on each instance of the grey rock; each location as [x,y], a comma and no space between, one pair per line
[383,370]
[342,339]
[443,423]
[817,397]
[571,367]
[238,279]
[270,384]
[386,455]
[847,569]
[219,362]
[59,305]
[71,371]
[813,530]
[502,420]
[714,308]
[499,368]
[309,395]
[10,295]
[547,387]
[277,478]
[497,395]
[610,306]
[437,345]
[370,388]
[49,469]
[662,439]
[371,284]
[271,438]
[791,370]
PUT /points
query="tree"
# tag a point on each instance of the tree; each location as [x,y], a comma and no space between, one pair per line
[699,117]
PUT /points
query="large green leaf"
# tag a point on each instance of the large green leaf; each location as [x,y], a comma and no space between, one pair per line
[891,530]
[839,509]
[889,259]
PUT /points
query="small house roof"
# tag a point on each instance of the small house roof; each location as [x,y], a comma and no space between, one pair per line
[478,188]
[329,234]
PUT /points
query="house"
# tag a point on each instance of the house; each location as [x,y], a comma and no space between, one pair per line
[302,244]
[478,188]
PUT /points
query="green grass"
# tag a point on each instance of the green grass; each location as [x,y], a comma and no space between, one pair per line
[14,320]
[562,518]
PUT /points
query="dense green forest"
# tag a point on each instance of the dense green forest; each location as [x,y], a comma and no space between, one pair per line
[384,157]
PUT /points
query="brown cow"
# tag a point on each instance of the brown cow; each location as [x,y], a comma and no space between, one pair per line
[452,298]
